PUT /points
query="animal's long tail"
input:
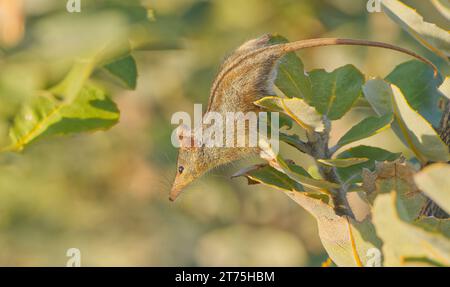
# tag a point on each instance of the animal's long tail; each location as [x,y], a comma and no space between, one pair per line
[310,43]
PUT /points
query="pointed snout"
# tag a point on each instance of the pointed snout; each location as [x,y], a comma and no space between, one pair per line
[174,193]
[177,187]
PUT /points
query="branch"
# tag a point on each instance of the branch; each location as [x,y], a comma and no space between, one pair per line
[319,150]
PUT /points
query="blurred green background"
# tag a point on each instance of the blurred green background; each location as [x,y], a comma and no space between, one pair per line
[105,193]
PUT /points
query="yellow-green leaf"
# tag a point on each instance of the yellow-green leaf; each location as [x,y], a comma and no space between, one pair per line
[278,163]
[431,36]
[414,131]
[342,162]
[396,205]
[443,6]
[46,116]
[402,239]
[422,139]
[434,181]
[303,114]
[347,241]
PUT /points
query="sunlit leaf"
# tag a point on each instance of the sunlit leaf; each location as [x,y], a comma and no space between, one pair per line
[388,176]
[74,81]
[125,70]
[303,114]
[278,163]
[335,93]
[347,241]
[431,36]
[422,139]
[434,181]
[366,128]
[319,185]
[443,6]
[46,115]
[397,203]
[434,225]
[414,131]
[285,121]
[291,78]
[401,239]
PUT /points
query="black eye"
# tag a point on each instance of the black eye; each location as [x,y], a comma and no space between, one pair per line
[180,169]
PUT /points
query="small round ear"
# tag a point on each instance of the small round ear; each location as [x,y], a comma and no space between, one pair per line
[183,131]
[255,43]
[185,136]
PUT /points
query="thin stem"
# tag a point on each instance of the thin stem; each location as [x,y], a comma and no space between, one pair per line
[334,149]
[319,150]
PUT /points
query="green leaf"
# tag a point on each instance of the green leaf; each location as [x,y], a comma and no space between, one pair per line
[402,239]
[347,241]
[409,200]
[303,114]
[414,131]
[295,141]
[73,82]
[291,78]
[366,128]
[396,204]
[398,176]
[435,225]
[335,93]
[342,162]
[265,174]
[125,70]
[422,139]
[285,121]
[434,181]
[319,185]
[420,87]
[431,36]
[378,93]
[421,261]
[46,115]
[372,153]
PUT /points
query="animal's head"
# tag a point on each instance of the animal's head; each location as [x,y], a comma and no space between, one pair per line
[192,161]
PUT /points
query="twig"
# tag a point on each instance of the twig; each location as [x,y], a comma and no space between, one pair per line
[319,150]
